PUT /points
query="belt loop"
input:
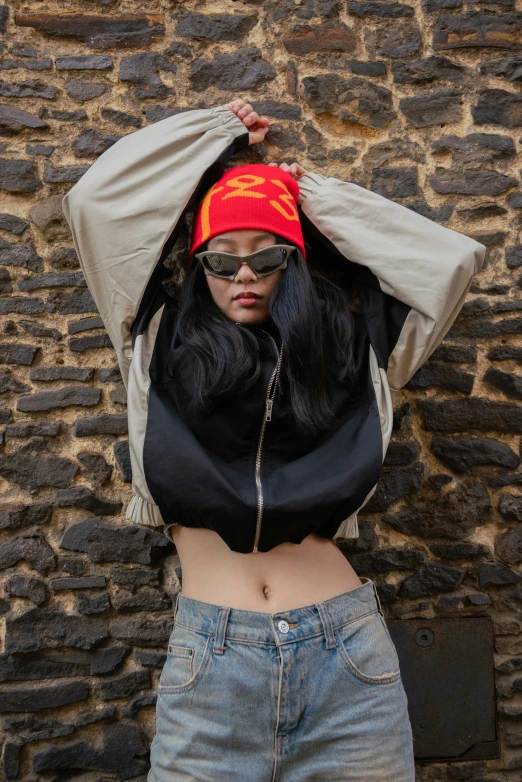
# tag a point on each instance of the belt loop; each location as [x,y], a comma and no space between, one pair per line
[327,625]
[377,599]
[221,629]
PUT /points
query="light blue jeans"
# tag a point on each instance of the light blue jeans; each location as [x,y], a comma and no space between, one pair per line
[313,694]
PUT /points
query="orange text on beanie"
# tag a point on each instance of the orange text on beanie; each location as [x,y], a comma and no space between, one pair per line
[256,196]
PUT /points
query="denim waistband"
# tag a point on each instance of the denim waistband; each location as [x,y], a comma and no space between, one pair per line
[282,627]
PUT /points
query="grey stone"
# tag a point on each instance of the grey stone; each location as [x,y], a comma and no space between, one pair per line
[431,578]
[21,255]
[498,107]
[64,397]
[478,182]
[64,259]
[427,70]
[121,118]
[99,32]
[70,303]
[214,27]
[83,582]
[68,174]
[90,143]
[508,545]
[394,485]
[16,515]
[457,415]
[83,91]
[354,100]
[244,69]
[48,217]
[27,89]
[40,628]
[46,697]
[47,374]
[82,497]
[143,69]
[19,176]
[464,454]
[14,121]
[32,588]
[122,543]
[12,223]
[92,62]
[30,470]
[436,108]
[13,353]
[63,280]
[122,456]
[101,424]
[496,573]
[31,547]
[123,686]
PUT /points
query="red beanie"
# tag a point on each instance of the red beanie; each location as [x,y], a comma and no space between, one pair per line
[250,197]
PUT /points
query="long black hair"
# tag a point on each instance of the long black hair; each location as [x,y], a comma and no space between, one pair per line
[315,320]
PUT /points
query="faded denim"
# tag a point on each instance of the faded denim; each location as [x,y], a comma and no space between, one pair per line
[241,700]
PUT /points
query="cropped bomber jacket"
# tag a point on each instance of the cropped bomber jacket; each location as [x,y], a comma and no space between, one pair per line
[246,471]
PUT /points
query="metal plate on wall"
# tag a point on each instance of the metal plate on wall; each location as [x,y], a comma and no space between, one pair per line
[447,669]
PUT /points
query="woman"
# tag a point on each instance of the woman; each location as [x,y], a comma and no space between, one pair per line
[260,411]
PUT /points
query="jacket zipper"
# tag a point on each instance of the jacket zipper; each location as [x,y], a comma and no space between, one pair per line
[269,403]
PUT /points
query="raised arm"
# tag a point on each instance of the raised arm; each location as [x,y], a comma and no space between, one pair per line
[125,207]
[418,271]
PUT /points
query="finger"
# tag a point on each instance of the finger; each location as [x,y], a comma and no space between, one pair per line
[246,109]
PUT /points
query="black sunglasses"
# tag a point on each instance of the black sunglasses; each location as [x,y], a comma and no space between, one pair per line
[262,262]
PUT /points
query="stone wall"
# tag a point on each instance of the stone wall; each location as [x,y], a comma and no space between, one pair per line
[418,101]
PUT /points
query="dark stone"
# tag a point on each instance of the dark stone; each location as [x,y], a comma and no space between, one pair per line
[25,89]
[84,324]
[13,224]
[24,306]
[244,69]
[124,685]
[14,516]
[145,600]
[101,424]
[32,588]
[510,507]
[131,579]
[398,40]
[287,138]
[431,578]
[121,118]
[497,574]
[332,36]
[9,383]
[90,143]
[64,259]
[401,453]
[124,745]
[510,385]
[4,16]
[482,212]
[457,415]
[178,49]
[12,353]
[30,65]
[475,148]
[369,8]
[431,6]
[19,176]
[13,121]
[477,182]
[141,631]
[452,515]
[464,454]
[122,543]
[11,759]
[387,560]
[156,659]
[395,182]
[99,32]
[70,303]
[63,397]
[477,30]
[82,344]
[30,470]
[461,550]
[508,546]
[505,353]
[394,485]
[215,27]
[498,107]
[89,605]
[514,256]
[364,68]
[430,69]
[39,149]
[90,62]
[346,154]
[143,70]
[157,113]
[42,697]
[99,470]
[484,328]
[46,374]
[110,374]
[83,91]
[62,280]
[21,255]
[122,456]
[85,582]
[457,354]
[82,497]
[368,104]
[37,330]
[277,109]
[31,429]
[64,174]
[514,200]
[438,108]
[31,547]
[48,217]
[40,628]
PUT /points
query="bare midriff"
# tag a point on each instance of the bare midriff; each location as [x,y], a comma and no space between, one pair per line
[288,576]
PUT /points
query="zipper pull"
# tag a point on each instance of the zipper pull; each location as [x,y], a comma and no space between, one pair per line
[269,405]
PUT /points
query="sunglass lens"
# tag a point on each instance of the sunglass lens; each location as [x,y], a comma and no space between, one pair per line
[270,261]
[218,265]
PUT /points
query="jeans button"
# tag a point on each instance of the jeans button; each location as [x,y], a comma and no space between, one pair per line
[283,626]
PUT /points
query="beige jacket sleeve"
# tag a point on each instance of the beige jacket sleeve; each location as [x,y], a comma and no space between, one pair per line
[124,208]
[419,262]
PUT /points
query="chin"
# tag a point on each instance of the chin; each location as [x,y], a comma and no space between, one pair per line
[249,316]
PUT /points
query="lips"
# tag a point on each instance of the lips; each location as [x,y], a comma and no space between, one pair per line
[247,295]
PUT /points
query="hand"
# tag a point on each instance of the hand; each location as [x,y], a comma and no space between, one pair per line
[294,169]
[256,125]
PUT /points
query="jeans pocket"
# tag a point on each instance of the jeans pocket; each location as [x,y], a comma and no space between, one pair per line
[367,649]
[187,657]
